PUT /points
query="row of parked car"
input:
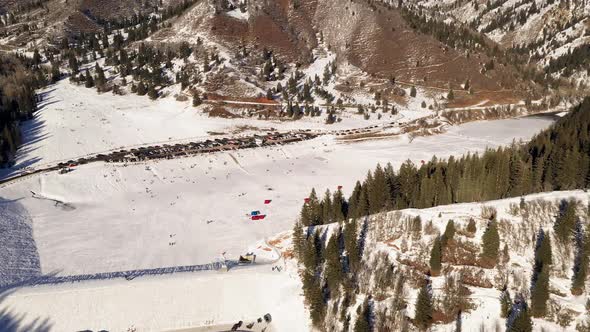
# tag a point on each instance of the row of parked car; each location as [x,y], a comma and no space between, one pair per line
[167,151]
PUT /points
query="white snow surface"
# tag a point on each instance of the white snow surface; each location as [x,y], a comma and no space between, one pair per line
[75,122]
[124,214]
[124,217]
[167,303]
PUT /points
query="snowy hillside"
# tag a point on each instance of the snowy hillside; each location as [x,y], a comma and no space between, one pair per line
[159,161]
[394,247]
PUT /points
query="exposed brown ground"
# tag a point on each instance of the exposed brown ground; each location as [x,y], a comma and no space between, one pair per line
[485,98]
[220,112]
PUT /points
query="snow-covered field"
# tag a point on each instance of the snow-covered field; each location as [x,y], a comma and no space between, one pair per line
[74,121]
[167,303]
[115,217]
[123,216]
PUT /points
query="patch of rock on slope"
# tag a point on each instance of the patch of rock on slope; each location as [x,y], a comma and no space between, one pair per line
[372,37]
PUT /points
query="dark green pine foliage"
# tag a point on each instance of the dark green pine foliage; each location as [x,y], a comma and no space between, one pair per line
[298,240]
[540,293]
[566,221]
[339,208]
[436,257]
[311,212]
[141,89]
[100,78]
[312,289]
[362,207]
[310,255]
[19,78]
[311,278]
[449,233]
[540,279]
[471,227]
[490,244]
[519,319]
[197,100]
[581,260]
[327,208]
[351,245]
[378,192]
[556,159]
[543,256]
[363,321]
[354,199]
[315,209]
[89,81]
[333,270]
[152,92]
[505,303]
[424,307]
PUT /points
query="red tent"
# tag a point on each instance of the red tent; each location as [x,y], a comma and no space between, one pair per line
[267,201]
[306,200]
[339,187]
[259,217]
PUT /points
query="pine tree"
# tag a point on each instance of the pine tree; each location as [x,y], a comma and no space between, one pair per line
[451,95]
[362,207]
[313,293]
[471,228]
[100,78]
[413,91]
[152,92]
[305,214]
[73,63]
[449,233]
[490,244]
[298,240]
[540,293]
[141,89]
[338,206]
[377,191]
[312,253]
[315,210]
[543,256]
[436,257]
[197,100]
[520,317]
[416,227]
[351,245]
[566,221]
[327,209]
[581,261]
[505,303]
[363,322]
[55,73]
[36,57]
[89,81]
[353,201]
[333,264]
[424,308]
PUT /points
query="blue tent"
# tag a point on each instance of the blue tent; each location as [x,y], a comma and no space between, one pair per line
[255,213]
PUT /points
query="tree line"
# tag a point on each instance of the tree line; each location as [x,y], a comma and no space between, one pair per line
[556,159]
[19,77]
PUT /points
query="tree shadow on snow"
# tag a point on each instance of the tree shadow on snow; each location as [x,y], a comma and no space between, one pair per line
[11,321]
[18,249]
